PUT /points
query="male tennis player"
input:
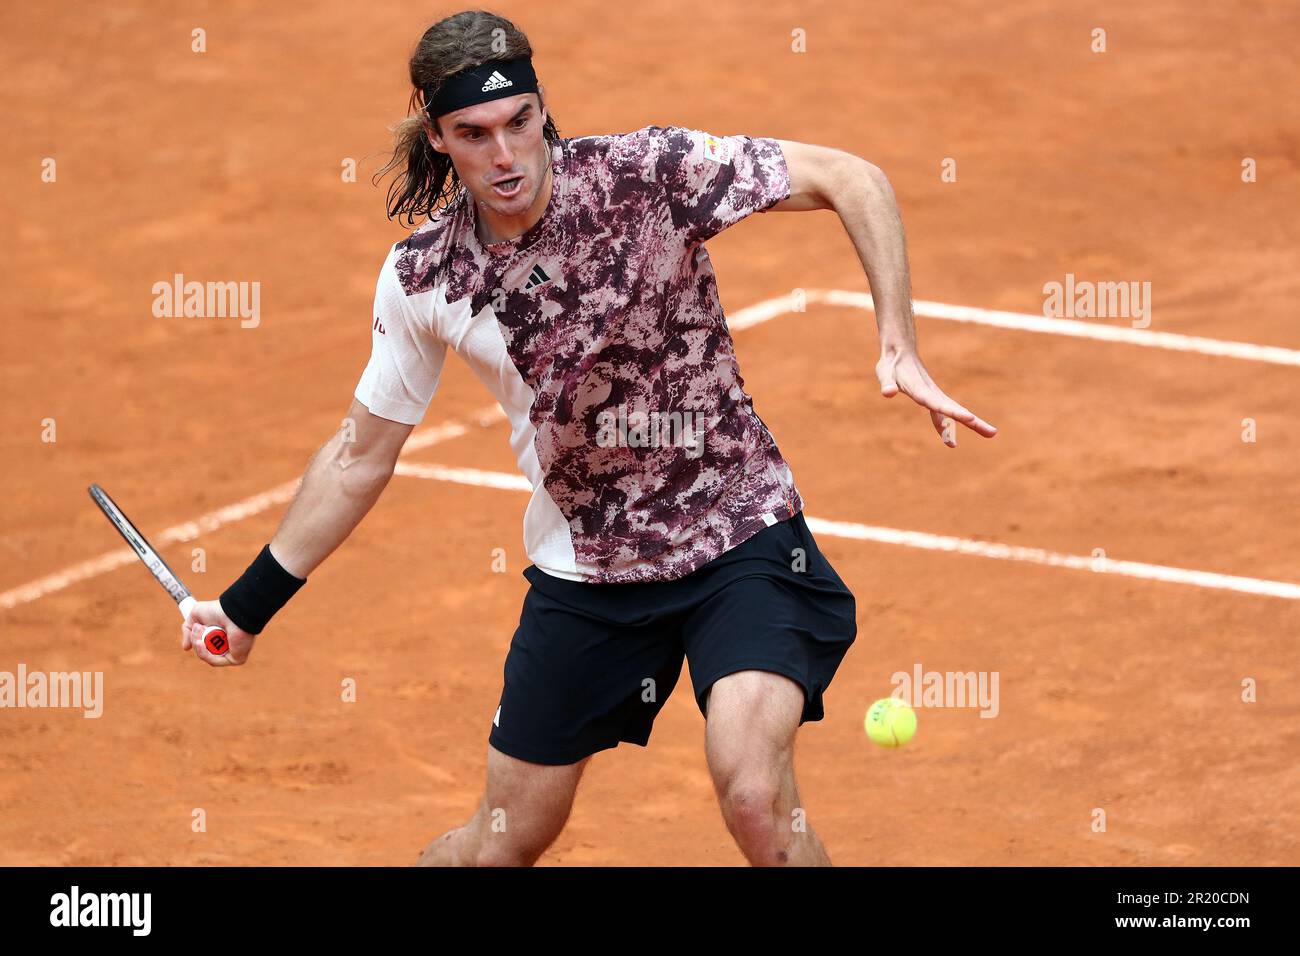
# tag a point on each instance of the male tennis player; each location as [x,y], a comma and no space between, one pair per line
[664,524]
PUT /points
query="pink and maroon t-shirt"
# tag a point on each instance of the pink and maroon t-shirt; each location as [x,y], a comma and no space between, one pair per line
[600,332]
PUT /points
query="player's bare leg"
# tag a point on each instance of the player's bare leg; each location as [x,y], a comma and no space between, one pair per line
[749,741]
[523,810]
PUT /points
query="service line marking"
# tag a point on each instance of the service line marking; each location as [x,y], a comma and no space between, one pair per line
[745,318]
[932,542]
[1024,322]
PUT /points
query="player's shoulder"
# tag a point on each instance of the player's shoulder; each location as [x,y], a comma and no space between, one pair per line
[605,144]
[653,154]
[669,149]
[635,150]
[673,144]
[417,260]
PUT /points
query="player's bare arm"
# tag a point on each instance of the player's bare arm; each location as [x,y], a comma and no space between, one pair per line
[859,193]
[342,483]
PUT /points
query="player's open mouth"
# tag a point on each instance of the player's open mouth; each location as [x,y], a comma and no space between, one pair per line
[508,188]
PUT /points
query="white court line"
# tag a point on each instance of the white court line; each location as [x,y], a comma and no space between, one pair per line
[425,438]
[934,542]
[752,315]
[1011,552]
[114,559]
[502,480]
[782,305]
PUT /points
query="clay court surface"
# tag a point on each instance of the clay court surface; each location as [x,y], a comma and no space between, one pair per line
[1116,692]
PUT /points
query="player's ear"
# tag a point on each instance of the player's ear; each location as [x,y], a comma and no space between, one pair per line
[435,140]
[541,104]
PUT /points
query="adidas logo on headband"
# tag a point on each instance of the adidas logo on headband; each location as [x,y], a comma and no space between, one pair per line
[468,87]
[496,82]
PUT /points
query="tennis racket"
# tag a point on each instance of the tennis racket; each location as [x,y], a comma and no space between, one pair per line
[214,638]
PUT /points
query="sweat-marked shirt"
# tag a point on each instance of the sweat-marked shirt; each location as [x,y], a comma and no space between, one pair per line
[600,332]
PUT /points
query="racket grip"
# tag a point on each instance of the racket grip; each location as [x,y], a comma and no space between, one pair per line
[214,638]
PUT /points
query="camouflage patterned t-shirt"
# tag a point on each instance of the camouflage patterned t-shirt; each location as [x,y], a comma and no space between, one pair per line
[600,332]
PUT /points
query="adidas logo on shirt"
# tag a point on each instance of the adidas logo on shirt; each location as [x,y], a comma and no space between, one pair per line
[496,82]
[537,277]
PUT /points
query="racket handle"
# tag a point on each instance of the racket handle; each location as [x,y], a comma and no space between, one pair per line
[214,638]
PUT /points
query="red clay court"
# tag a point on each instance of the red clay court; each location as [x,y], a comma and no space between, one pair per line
[1120,686]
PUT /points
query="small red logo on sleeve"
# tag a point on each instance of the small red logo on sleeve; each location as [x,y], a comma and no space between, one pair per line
[718,150]
[379,326]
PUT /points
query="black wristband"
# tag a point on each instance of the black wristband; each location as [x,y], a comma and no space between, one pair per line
[262,590]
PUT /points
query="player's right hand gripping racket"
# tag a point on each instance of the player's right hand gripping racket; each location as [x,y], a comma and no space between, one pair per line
[214,638]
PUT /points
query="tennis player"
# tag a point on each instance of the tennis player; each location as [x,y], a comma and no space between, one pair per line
[664,525]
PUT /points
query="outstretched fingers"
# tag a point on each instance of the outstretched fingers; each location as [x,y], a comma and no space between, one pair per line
[907,374]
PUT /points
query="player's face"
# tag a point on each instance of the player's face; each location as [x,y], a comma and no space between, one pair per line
[498,151]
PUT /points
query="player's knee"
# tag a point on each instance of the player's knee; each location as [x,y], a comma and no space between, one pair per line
[749,804]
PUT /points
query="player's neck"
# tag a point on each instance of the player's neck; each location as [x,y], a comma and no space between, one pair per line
[493,227]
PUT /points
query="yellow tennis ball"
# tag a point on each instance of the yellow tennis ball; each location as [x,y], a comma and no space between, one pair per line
[890,722]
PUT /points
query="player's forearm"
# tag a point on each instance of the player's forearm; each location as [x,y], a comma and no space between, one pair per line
[865,203]
[338,489]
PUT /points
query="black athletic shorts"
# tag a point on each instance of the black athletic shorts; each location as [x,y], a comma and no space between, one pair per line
[591,665]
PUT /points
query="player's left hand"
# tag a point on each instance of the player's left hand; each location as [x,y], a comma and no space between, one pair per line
[903,371]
